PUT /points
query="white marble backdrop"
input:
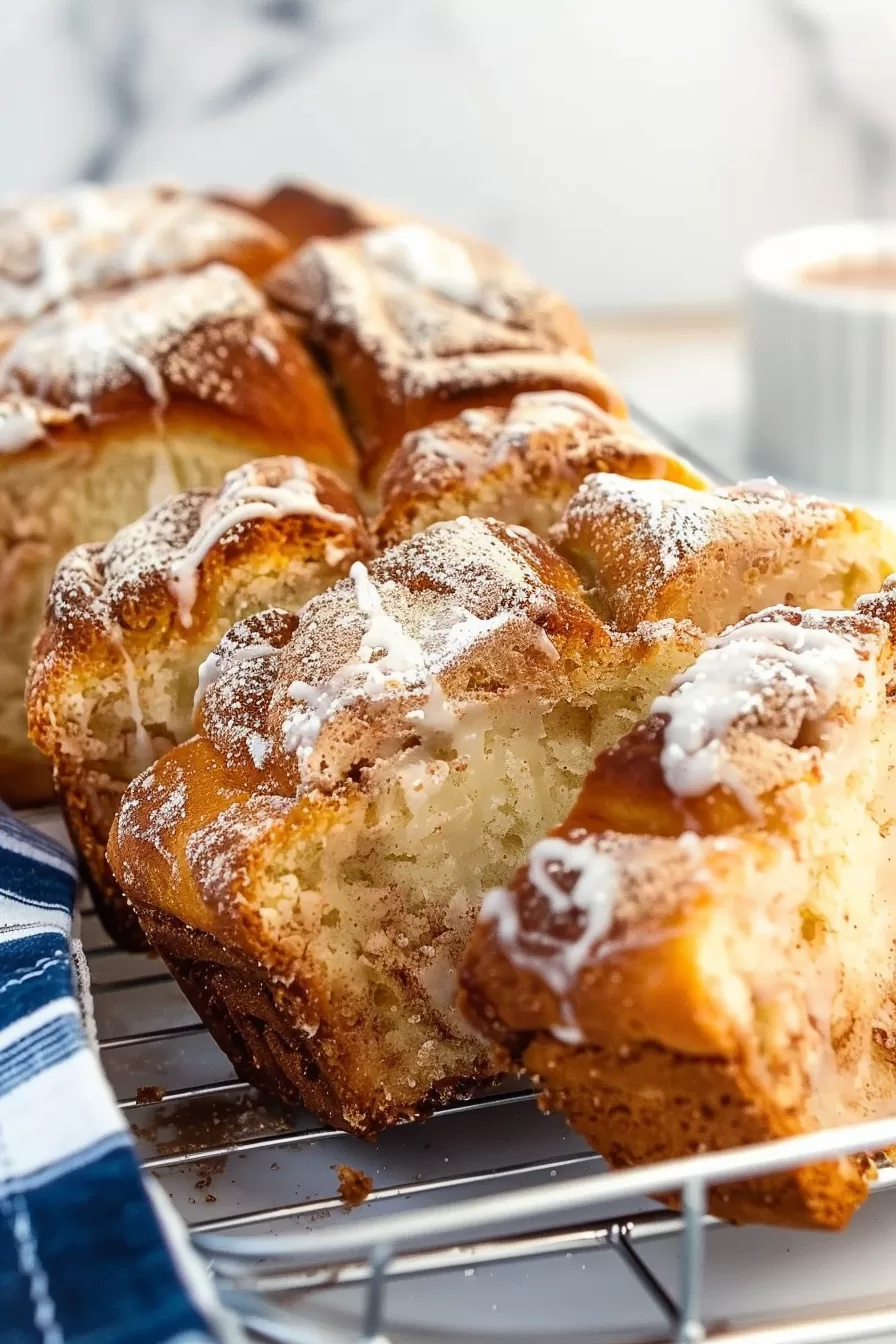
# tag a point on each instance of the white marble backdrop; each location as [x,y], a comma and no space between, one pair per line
[627,150]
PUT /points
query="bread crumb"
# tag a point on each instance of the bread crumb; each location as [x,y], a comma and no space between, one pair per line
[354,1185]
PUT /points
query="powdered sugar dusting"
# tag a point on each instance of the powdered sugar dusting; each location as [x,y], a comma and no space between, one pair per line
[427,258]
[55,248]
[90,347]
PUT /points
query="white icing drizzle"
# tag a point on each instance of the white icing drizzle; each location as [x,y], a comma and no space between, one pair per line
[19,426]
[143,749]
[730,681]
[400,667]
[216,663]
[591,896]
[259,749]
[267,349]
[424,257]
[242,499]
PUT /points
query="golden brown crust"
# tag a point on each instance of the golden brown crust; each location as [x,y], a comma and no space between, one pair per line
[150,603]
[305,210]
[92,239]
[293,733]
[521,463]
[652,549]
[181,352]
[652,962]
[415,326]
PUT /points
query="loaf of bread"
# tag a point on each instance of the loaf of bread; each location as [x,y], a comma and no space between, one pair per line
[310,864]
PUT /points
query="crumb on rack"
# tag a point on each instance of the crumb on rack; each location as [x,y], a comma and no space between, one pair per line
[354,1185]
[149,1096]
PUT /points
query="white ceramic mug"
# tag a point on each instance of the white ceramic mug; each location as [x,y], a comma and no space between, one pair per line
[821,346]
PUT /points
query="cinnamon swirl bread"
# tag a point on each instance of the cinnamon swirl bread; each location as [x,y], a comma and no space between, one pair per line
[310,864]
[702,953]
[129,623]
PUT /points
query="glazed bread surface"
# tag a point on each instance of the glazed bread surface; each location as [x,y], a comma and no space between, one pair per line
[520,463]
[650,549]
[87,240]
[129,623]
[701,954]
[361,769]
[414,325]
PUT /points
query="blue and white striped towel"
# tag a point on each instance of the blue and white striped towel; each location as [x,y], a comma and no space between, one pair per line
[84,1258]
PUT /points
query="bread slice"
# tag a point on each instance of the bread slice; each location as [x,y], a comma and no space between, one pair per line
[650,549]
[521,463]
[702,953]
[414,325]
[133,397]
[311,863]
[128,625]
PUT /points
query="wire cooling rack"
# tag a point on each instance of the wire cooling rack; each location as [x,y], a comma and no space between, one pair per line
[550,1206]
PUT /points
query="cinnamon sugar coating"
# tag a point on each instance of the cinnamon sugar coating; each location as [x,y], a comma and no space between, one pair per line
[415,325]
[521,463]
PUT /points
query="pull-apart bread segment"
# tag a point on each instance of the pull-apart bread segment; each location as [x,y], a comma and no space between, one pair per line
[521,463]
[90,240]
[311,863]
[415,326]
[701,954]
[109,405]
[128,624]
[305,210]
[651,549]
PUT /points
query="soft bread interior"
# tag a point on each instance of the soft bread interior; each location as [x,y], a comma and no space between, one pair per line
[58,498]
[367,899]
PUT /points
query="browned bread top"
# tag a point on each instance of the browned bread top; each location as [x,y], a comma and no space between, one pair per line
[416,324]
[653,549]
[520,463]
[166,570]
[203,343]
[88,239]
[370,666]
[305,210]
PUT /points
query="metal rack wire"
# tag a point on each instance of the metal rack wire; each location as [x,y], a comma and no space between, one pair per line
[254,1271]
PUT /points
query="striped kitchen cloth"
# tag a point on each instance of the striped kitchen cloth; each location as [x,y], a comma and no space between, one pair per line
[85,1252]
